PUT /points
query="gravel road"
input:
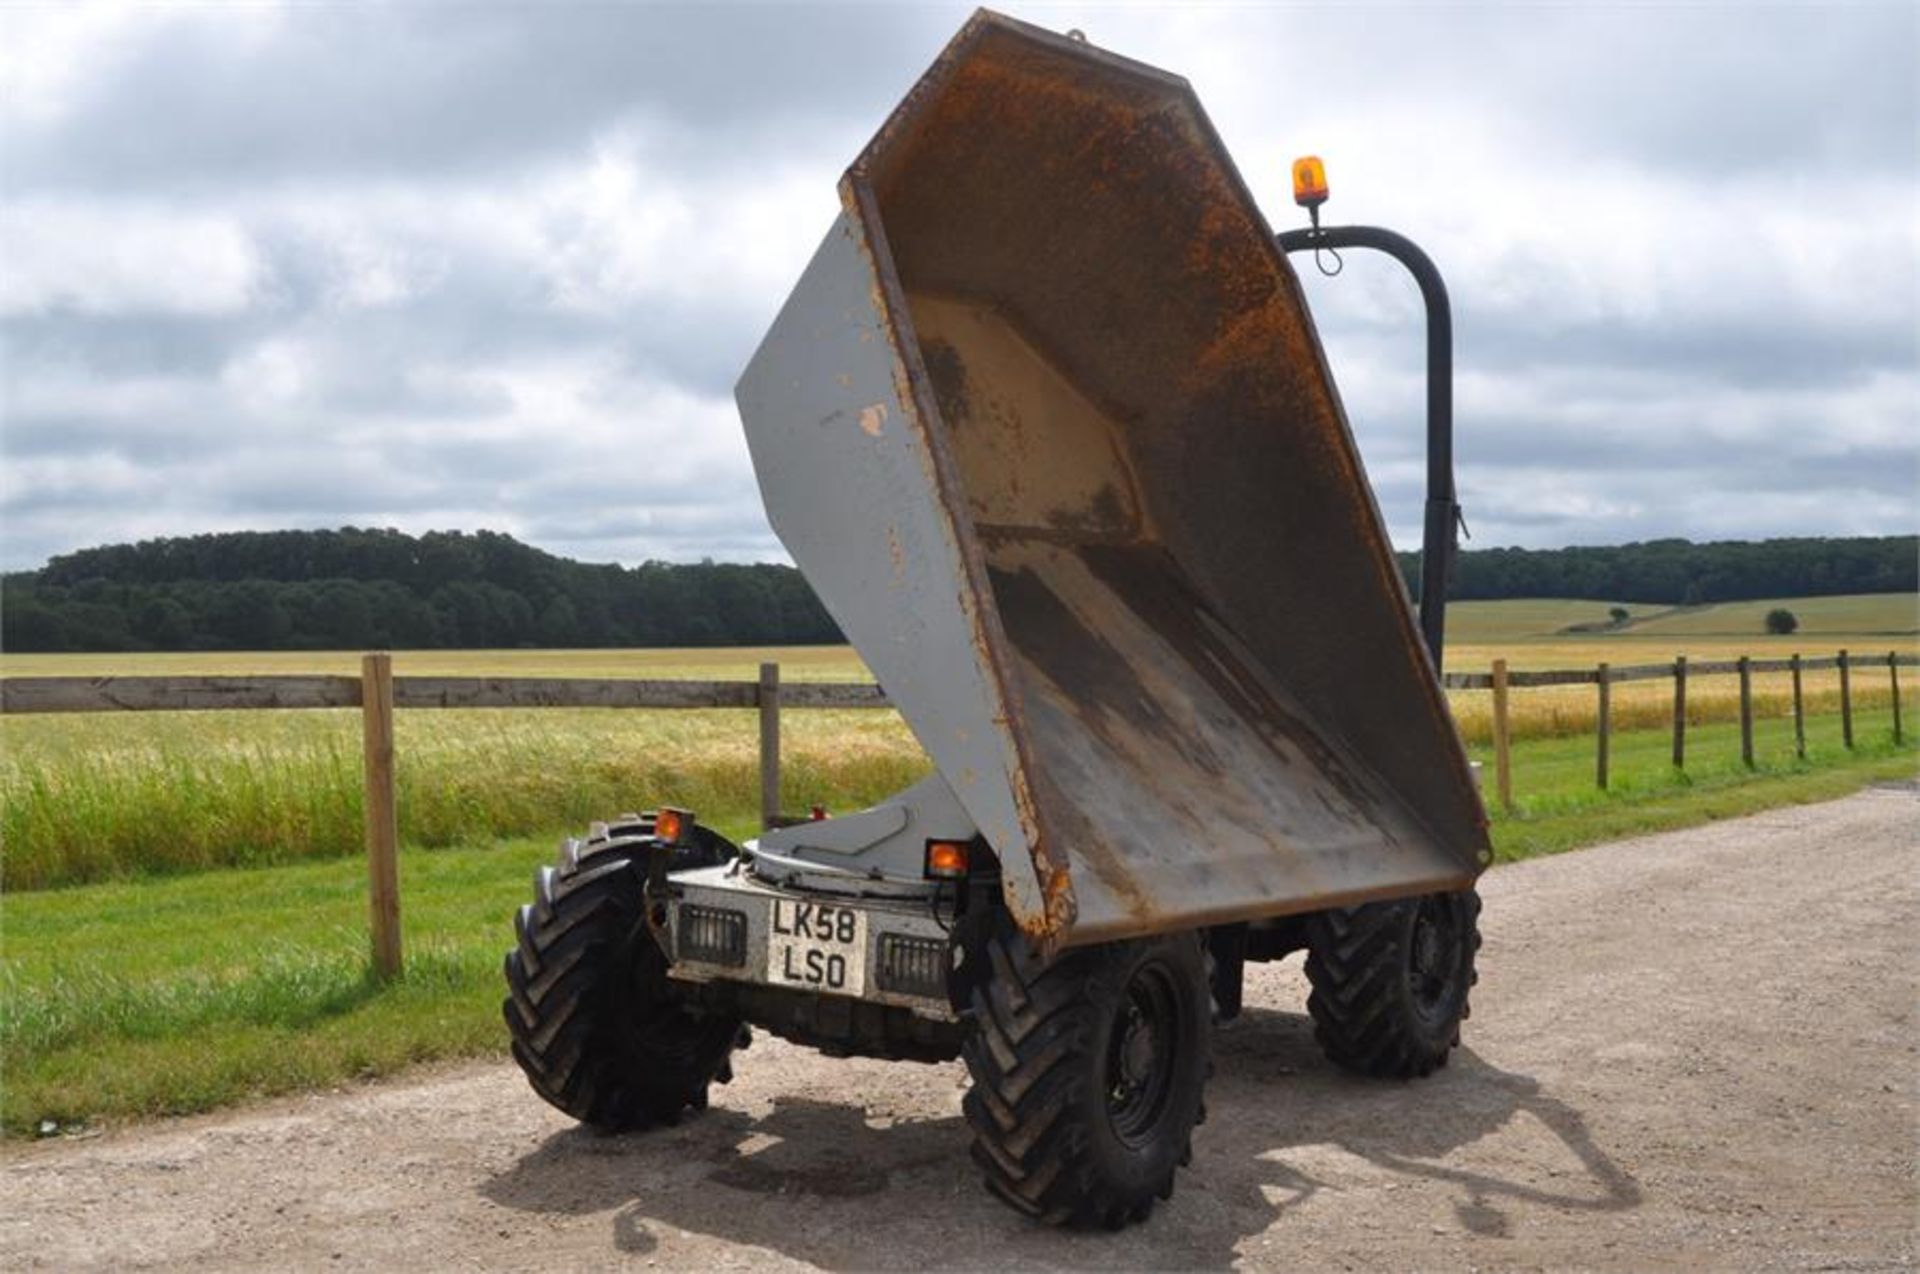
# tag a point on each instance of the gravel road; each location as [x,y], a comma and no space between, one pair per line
[1697,1049]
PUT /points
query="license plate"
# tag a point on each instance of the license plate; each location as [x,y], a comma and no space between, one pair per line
[819,946]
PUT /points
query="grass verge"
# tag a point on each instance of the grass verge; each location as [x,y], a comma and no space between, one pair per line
[1559,806]
[183,993]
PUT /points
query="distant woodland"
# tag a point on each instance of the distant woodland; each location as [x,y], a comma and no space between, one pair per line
[355,589]
[1682,573]
[366,589]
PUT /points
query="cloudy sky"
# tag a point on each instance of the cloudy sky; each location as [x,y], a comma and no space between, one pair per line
[497,265]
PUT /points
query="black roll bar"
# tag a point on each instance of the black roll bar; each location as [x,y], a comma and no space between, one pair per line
[1438,544]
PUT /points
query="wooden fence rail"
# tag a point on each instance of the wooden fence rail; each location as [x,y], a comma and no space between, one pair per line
[377,693]
[226,694]
[1661,672]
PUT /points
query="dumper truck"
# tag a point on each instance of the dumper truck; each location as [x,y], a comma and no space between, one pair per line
[1047,426]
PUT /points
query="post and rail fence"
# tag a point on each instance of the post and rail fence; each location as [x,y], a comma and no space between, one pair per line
[1604,677]
[378,693]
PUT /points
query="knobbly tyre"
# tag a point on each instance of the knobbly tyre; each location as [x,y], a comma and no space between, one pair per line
[1047,426]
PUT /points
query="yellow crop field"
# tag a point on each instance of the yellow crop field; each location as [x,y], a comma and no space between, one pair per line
[84,797]
[88,796]
[1530,635]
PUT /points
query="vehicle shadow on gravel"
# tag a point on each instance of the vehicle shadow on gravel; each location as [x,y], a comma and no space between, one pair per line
[1278,1091]
[814,1181]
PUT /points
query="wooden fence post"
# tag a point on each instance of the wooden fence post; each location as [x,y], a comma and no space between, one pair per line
[1893,679]
[1746,711]
[769,745]
[1603,679]
[1846,703]
[1799,713]
[383,828]
[1680,712]
[1502,741]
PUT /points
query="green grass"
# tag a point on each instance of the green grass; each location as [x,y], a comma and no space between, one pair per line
[1525,619]
[180,994]
[1867,618]
[1558,804]
[1863,615]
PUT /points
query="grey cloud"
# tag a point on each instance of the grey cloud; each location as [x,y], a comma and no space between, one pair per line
[421,90]
[454,149]
[1711,91]
[161,441]
[1751,353]
[122,346]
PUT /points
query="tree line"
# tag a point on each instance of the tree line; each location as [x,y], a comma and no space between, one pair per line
[380,589]
[1682,573]
[358,588]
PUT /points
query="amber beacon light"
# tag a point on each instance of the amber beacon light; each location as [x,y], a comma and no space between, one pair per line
[1309,181]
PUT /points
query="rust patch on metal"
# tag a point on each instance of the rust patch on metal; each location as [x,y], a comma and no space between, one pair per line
[949,377]
[1032,449]
[897,557]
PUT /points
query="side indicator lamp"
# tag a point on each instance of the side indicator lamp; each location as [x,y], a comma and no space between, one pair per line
[946,860]
[673,825]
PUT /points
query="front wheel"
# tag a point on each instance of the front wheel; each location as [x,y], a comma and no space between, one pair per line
[594,1024]
[1391,980]
[1088,1074]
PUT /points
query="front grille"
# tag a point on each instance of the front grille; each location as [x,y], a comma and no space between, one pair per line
[713,935]
[913,966]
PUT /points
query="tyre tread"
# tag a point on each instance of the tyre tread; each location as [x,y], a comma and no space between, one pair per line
[1354,963]
[1034,1025]
[564,977]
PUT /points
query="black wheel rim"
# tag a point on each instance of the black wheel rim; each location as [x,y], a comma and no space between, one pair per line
[1434,951]
[1141,1050]
[644,1013]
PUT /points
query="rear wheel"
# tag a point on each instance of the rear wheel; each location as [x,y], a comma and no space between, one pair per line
[1391,981]
[1088,1075]
[594,1024]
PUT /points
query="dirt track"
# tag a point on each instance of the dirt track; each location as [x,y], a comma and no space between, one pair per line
[1693,1050]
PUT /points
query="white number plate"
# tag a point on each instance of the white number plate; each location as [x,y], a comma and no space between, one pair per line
[817,945]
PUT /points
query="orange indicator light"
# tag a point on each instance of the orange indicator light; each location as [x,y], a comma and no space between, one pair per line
[671,825]
[946,859]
